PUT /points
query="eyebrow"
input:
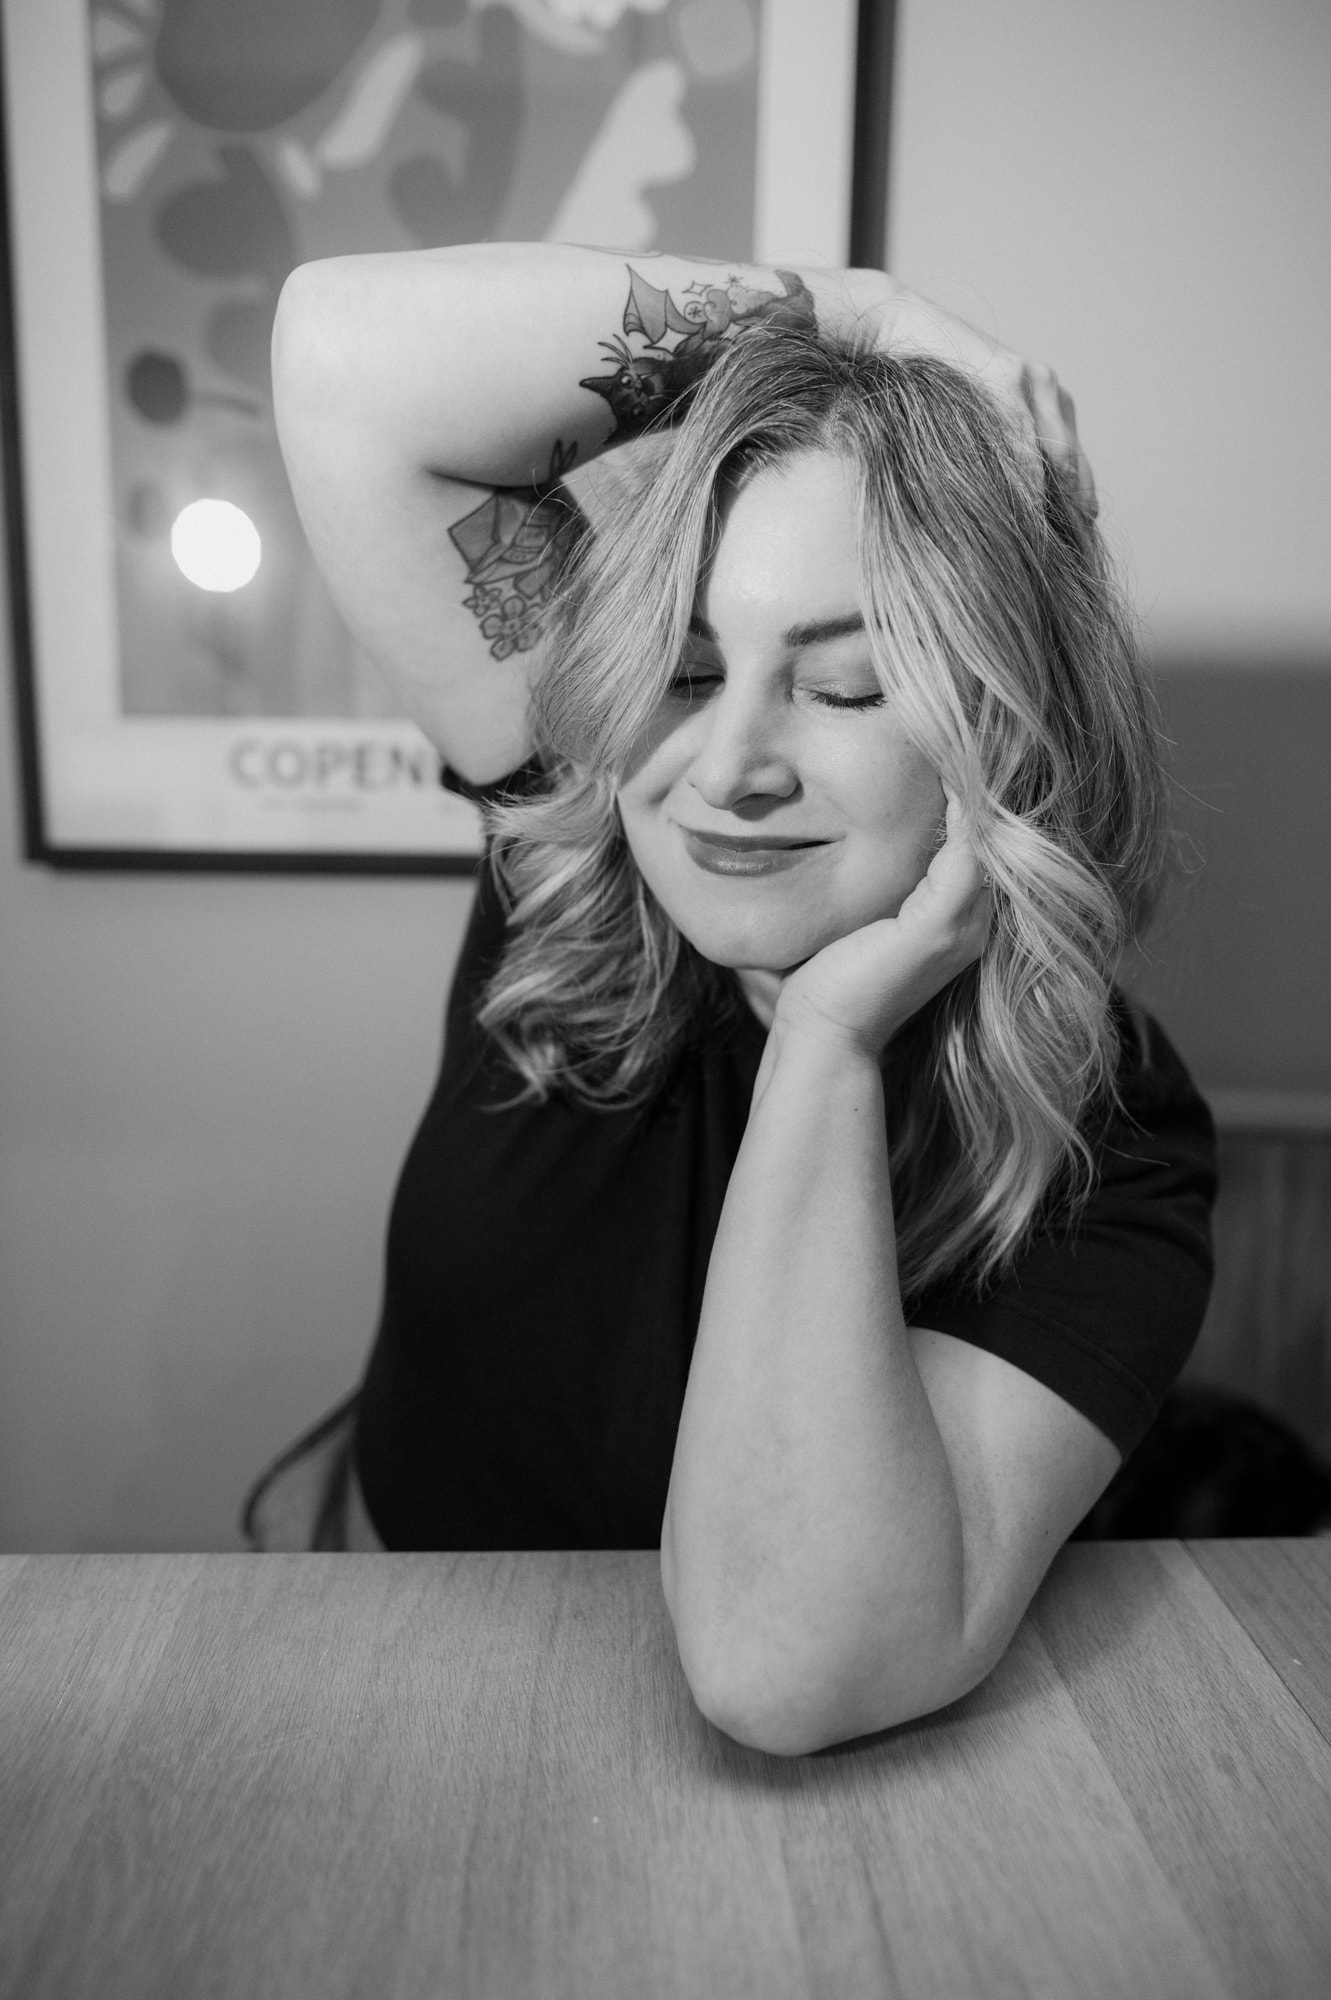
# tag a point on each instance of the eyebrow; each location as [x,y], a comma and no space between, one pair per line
[812,633]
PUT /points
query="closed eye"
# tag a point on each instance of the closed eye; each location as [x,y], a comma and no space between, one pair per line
[826,699]
[691,681]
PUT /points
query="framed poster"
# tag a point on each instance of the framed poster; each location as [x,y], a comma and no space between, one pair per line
[187,695]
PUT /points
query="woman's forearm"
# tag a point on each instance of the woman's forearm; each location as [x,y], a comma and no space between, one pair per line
[480,359]
[812,1549]
[408,387]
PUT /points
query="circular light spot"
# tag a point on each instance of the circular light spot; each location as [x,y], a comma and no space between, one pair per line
[718,37]
[215,545]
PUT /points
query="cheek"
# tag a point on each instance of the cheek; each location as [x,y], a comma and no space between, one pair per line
[899,802]
[651,778]
[896,824]
[644,826]
[661,752]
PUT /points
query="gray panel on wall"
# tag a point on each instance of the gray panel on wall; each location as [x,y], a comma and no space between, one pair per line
[1240,964]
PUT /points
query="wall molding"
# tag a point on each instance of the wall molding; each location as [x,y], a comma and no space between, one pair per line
[1284,1114]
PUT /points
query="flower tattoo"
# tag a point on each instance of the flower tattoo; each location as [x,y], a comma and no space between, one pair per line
[513,545]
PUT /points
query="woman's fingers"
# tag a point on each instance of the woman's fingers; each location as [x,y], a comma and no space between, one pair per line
[1055,417]
[954,892]
[864,985]
[868,982]
[1034,392]
[1029,391]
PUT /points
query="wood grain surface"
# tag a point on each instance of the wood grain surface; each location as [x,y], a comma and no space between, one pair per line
[1281,1594]
[483,1776]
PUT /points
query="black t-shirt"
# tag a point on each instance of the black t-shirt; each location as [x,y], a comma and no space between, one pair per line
[545,1271]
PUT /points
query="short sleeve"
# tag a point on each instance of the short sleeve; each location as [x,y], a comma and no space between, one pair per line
[1106,1314]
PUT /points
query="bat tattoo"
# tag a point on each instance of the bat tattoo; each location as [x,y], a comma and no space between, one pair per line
[681,341]
[513,545]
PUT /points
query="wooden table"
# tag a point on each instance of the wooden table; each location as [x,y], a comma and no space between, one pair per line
[448,1776]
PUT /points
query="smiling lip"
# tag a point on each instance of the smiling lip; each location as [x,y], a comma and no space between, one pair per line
[745,854]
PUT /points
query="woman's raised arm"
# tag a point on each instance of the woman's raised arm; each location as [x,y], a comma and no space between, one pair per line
[429,404]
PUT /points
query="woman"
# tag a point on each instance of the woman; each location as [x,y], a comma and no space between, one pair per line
[797,1192]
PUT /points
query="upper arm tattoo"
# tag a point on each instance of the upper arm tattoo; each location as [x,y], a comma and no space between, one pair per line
[513,545]
[679,341]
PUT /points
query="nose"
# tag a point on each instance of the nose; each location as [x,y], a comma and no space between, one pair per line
[741,752]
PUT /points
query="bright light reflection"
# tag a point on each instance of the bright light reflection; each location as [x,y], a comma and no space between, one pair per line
[215,544]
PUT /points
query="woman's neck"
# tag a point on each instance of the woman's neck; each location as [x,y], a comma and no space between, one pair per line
[761,990]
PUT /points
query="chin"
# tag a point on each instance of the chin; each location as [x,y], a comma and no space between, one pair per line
[756,946]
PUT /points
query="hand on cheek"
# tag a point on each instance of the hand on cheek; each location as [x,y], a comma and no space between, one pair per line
[860,989]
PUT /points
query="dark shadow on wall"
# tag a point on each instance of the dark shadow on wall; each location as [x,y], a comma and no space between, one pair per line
[1239,967]
[1239,971]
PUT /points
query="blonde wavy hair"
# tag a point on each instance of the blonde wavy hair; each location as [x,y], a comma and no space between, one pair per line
[999,640]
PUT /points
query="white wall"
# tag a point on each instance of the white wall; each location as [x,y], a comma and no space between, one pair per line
[1140,193]
[206,1087]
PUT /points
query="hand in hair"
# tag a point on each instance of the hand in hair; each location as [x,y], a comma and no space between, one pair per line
[863,987]
[1029,391]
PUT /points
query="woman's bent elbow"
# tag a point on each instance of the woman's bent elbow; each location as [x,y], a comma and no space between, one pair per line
[796,1713]
[802,1719]
[761,1719]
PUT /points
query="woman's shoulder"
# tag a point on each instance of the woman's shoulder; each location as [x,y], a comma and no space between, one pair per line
[485,930]
[1158,1114]
[1104,1304]
[483,940]
[1147,1057]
